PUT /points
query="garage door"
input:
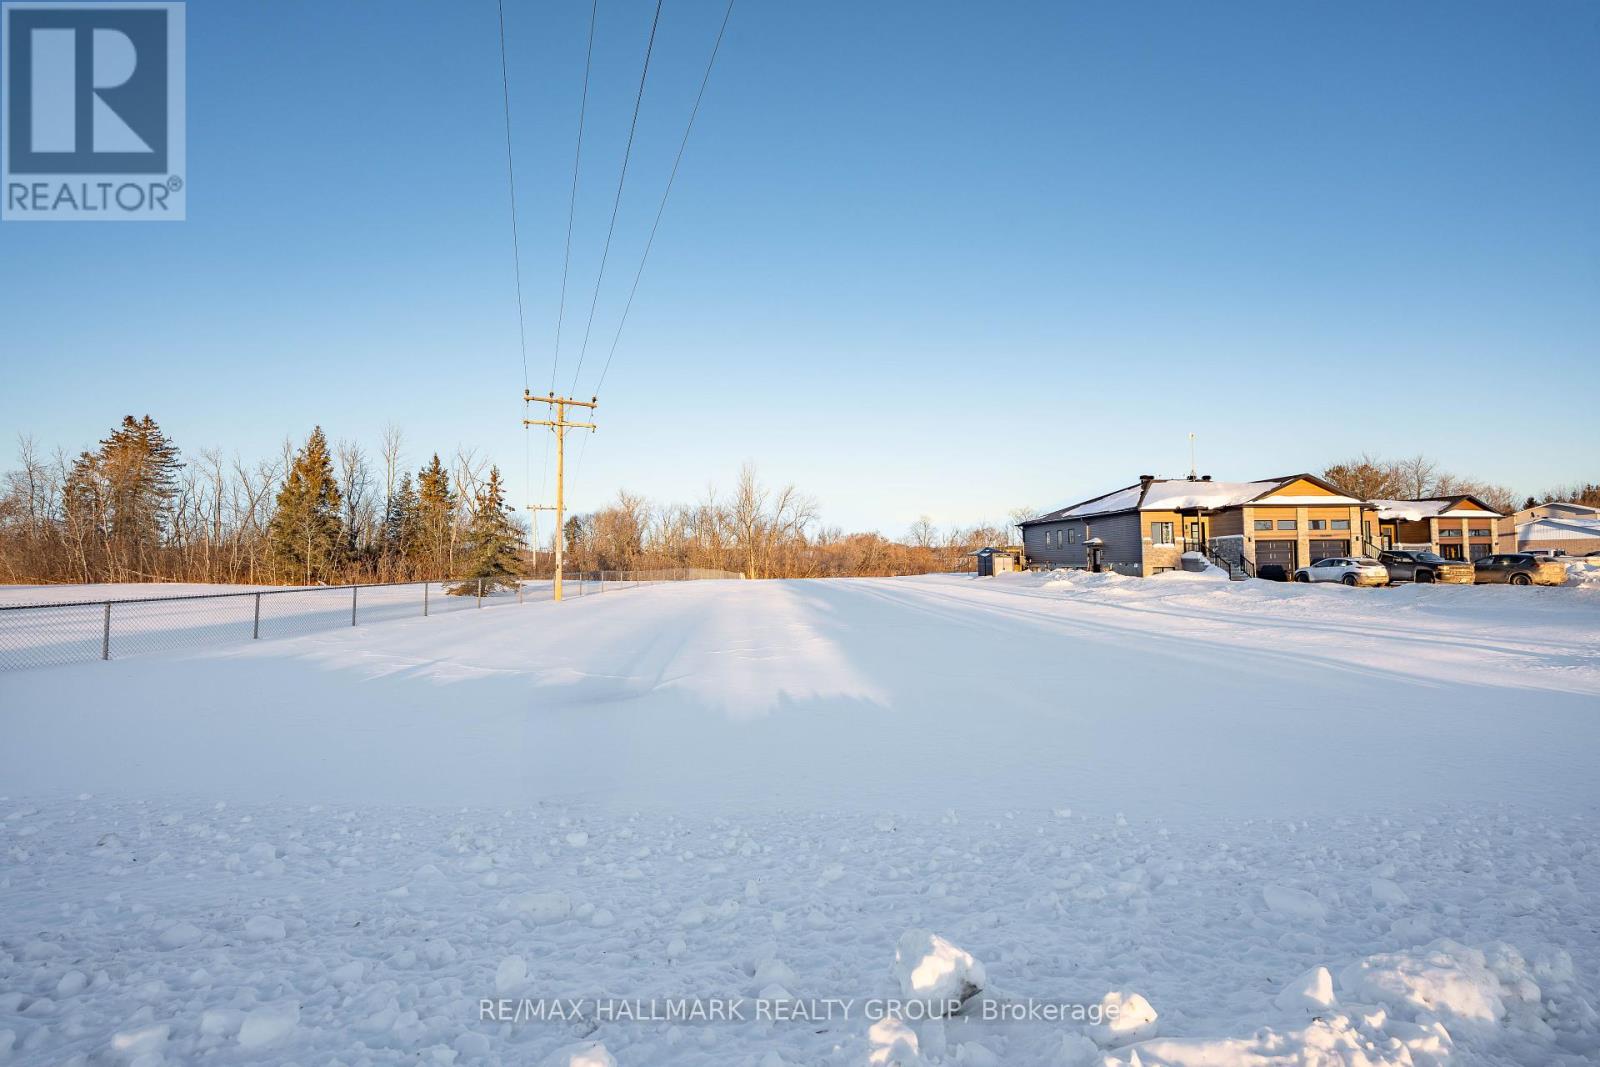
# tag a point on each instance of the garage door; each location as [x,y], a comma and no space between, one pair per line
[1275,554]
[1329,549]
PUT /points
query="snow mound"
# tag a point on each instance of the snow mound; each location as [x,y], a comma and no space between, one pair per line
[540,909]
[1311,992]
[1293,903]
[1125,1017]
[930,968]
[894,1044]
[268,1025]
[582,1054]
[1336,1041]
[1445,979]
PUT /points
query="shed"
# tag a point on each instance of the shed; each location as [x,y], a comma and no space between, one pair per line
[992,561]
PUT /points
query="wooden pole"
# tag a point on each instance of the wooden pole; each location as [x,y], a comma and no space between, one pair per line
[560,425]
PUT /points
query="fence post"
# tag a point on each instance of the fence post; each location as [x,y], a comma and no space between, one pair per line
[519,592]
[255,627]
[353,590]
[480,592]
[424,600]
[105,634]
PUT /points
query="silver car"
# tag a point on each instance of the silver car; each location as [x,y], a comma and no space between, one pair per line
[1357,570]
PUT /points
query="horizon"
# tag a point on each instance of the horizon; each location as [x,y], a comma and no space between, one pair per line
[1008,262]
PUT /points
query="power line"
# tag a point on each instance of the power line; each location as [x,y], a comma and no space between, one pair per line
[516,247]
[716,47]
[617,202]
[695,111]
[511,180]
[572,202]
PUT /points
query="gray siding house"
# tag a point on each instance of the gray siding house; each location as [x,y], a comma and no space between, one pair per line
[1268,527]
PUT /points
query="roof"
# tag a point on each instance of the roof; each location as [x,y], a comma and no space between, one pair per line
[1559,530]
[1573,509]
[1181,494]
[1432,506]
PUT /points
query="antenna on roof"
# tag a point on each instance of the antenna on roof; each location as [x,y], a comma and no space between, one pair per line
[1194,472]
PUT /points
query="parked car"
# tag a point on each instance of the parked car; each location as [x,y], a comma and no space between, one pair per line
[1405,565]
[1545,553]
[1519,568]
[1360,570]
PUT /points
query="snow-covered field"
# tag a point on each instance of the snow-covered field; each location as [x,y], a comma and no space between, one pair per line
[1270,823]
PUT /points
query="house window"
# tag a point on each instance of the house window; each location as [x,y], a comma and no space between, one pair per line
[1263,524]
[1341,524]
[1449,533]
[1287,524]
[1161,533]
[1072,535]
[1481,551]
[1478,532]
[1051,538]
[1319,524]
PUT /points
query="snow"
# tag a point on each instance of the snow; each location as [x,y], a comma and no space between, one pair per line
[931,969]
[1271,824]
[1311,993]
[1417,510]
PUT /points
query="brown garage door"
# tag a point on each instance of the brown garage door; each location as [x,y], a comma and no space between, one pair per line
[1277,555]
[1329,549]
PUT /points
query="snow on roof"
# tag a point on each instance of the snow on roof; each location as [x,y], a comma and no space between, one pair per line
[1182,493]
[1174,494]
[1431,507]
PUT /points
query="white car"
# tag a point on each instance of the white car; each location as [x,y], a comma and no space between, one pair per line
[1360,570]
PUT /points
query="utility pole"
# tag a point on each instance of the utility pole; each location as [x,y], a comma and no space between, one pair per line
[560,425]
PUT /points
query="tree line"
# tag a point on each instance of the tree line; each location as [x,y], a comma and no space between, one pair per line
[760,531]
[1419,477]
[135,509]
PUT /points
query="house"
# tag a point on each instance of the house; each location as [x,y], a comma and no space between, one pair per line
[1142,529]
[1456,527]
[1559,524]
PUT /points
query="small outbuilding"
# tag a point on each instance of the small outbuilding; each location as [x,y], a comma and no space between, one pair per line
[992,561]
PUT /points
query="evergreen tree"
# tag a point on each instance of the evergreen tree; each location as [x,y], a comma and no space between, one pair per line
[120,498]
[305,532]
[436,509]
[493,540]
[402,528]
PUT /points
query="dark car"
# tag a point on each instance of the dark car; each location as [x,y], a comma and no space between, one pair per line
[1519,568]
[1405,565]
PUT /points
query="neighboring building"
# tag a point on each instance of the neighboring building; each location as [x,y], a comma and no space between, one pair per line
[1457,527]
[1558,524]
[1145,528]
[992,561]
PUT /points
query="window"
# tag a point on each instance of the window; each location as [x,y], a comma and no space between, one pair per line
[1287,524]
[1051,538]
[1161,533]
[1449,533]
[1318,524]
[1480,551]
[1263,524]
[1479,532]
[1344,524]
[1073,535]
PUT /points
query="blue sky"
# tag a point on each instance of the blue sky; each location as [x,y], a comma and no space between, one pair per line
[921,258]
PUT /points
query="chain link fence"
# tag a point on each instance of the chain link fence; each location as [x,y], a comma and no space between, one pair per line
[53,633]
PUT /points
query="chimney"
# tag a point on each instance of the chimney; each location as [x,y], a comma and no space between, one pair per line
[1145,480]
